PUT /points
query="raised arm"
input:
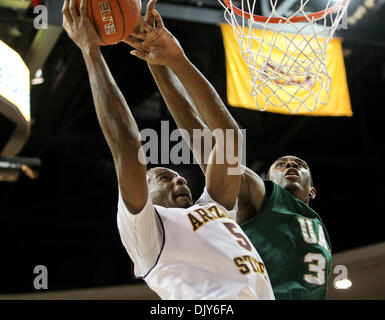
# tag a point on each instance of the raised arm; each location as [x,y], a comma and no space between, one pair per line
[186,116]
[179,103]
[115,118]
[158,46]
[183,112]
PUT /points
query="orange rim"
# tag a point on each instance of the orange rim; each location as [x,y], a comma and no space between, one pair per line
[315,15]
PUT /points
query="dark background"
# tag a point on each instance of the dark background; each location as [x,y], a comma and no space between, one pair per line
[66,220]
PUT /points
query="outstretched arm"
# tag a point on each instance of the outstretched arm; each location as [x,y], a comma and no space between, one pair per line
[158,46]
[179,103]
[183,112]
[115,118]
[186,116]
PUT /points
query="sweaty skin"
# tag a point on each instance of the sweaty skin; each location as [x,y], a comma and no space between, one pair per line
[156,45]
[279,237]
[184,110]
[120,129]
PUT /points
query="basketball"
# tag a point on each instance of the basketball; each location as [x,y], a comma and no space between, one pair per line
[114,20]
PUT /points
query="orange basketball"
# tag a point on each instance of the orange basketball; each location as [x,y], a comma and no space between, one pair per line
[114,20]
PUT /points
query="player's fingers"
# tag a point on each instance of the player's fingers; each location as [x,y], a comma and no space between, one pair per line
[65,24]
[66,13]
[158,18]
[140,54]
[138,34]
[151,5]
[73,10]
[83,8]
[135,43]
[145,26]
[146,44]
[148,17]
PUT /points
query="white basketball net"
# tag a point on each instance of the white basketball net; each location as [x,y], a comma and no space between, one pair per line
[286,60]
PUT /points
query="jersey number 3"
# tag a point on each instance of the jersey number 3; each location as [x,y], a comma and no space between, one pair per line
[316,261]
[317,264]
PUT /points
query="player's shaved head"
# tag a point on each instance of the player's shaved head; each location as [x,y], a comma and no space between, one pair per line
[156,171]
[168,189]
[152,173]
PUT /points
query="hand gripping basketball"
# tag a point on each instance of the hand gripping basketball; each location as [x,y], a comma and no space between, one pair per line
[114,20]
[156,45]
[78,26]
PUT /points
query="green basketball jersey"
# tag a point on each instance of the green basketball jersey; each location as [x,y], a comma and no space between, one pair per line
[293,244]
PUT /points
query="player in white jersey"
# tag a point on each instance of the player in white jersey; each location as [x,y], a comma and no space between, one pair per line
[193,253]
[183,251]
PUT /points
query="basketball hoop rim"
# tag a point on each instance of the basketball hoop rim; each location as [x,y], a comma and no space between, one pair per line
[316,15]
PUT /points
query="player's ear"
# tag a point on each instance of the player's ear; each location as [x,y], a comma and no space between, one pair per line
[312,193]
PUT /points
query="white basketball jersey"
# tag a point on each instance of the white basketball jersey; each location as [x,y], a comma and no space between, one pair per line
[206,255]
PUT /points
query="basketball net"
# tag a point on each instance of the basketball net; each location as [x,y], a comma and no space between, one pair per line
[286,56]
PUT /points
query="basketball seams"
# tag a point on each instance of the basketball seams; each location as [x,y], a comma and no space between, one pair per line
[132,14]
[124,13]
[134,9]
[113,5]
[95,24]
[123,19]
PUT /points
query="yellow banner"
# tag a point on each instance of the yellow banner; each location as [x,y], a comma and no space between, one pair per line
[239,81]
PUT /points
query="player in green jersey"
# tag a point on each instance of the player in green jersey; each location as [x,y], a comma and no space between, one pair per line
[289,235]
[274,213]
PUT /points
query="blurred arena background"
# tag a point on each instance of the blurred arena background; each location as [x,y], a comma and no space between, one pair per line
[58,191]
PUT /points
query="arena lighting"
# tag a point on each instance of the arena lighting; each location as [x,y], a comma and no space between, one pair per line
[343,284]
[38,78]
[12,167]
[14,80]
[16,4]
[361,11]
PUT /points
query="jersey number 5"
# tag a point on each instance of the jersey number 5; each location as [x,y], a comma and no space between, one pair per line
[243,242]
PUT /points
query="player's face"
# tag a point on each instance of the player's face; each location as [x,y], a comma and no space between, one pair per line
[293,174]
[169,189]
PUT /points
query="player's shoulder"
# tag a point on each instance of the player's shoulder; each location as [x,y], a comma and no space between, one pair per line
[280,197]
[165,210]
[273,189]
[206,199]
